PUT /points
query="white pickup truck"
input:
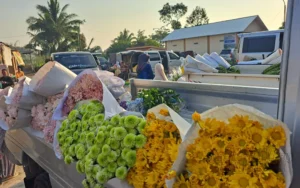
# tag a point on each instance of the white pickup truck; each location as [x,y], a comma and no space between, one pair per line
[39,159]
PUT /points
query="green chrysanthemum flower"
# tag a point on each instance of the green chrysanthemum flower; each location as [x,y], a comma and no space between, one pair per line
[109,127]
[121,172]
[68,159]
[112,167]
[102,176]
[102,128]
[140,141]
[96,169]
[114,144]
[84,126]
[93,129]
[91,121]
[81,109]
[94,151]
[68,133]
[102,160]
[98,186]
[100,138]
[76,136]
[119,133]
[105,123]
[111,132]
[82,137]
[69,140]
[90,137]
[121,161]
[132,131]
[131,121]
[99,119]
[99,107]
[141,126]
[107,140]
[80,153]
[73,115]
[115,120]
[61,138]
[86,117]
[124,152]
[106,149]
[85,184]
[78,146]
[78,167]
[112,156]
[73,126]
[118,151]
[130,157]
[90,180]
[129,140]
[64,125]
[122,120]
[89,164]
[72,152]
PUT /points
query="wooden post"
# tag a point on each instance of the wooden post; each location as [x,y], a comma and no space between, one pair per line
[184,45]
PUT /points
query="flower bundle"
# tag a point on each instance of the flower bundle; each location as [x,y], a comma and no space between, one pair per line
[238,153]
[86,87]
[155,159]
[102,149]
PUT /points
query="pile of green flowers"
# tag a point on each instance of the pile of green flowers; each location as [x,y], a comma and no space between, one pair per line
[102,149]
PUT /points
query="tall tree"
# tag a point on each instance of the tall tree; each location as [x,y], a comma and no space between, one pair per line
[170,14]
[160,34]
[93,49]
[125,35]
[54,29]
[197,17]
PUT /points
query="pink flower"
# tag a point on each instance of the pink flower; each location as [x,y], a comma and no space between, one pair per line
[87,87]
[49,131]
[2,115]
[17,92]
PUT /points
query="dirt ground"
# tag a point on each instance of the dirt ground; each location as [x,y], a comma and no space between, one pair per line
[16,181]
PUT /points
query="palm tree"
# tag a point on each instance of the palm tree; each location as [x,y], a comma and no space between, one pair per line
[93,49]
[125,36]
[54,29]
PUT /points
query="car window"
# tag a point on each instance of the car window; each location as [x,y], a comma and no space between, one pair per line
[102,59]
[154,56]
[226,52]
[173,56]
[259,44]
[76,61]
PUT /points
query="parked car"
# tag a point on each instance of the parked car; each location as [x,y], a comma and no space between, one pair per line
[228,54]
[258,45]
[76,61]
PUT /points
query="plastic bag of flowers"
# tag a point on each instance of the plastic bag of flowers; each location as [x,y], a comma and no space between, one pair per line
[51,79]
[234,146]
[86,86]
[164,130]
[103,148]
[22,97]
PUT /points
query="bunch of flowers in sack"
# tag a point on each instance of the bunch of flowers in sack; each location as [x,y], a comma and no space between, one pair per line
[42,113]
[3,112]
[87,87]
[102,149]
[239,154]
[155,159]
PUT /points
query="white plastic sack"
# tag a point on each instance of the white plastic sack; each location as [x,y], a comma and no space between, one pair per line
[28,99]
[51,79]
[3,93]
[191,70]
[23,120]
[111,106]
[228,111]
[272,57]
[221,61]
[210,59]
[203,60]
[201,66]
[275,61]
[110,80]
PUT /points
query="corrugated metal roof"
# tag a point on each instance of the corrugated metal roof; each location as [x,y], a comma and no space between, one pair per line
[217,28]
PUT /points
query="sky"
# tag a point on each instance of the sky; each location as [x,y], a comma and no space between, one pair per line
[106,18]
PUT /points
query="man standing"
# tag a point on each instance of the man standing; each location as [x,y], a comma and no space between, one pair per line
[5,79]
[20,73]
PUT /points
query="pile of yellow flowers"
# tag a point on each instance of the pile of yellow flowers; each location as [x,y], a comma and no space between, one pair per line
[238,154]
[155,159]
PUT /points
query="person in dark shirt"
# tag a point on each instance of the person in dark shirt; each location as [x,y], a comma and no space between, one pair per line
[5,79]
[144,69]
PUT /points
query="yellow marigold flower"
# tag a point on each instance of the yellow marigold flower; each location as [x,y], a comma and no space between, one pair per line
[240,122]
[219,160]
[204,144]
[242,180]
[171,174]
[241,161]
[266,155]
[240,142]
[224,185]
[277,136]
[194,180]
[151,116]
[198,168]
[268,178]
[152,178]
[164,112]
[211,181]
[220,144]
[257,124]
[257,136]
[182,183]
[196,117]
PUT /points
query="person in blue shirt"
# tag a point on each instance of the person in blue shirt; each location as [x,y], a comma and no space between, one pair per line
[144,69]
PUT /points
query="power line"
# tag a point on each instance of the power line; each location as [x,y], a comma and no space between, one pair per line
[13,36]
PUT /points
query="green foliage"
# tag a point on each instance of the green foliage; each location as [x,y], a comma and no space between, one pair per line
[272,70]
[230,70]
[170,14]
[153,97]
[160,34]
[197,17]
